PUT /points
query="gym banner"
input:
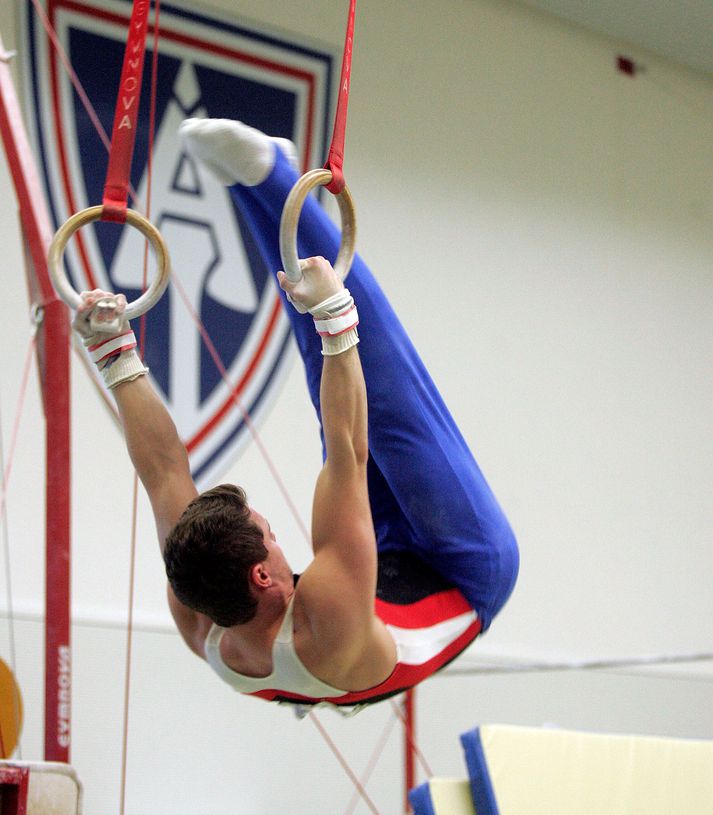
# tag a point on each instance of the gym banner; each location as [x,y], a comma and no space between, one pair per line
[208,66]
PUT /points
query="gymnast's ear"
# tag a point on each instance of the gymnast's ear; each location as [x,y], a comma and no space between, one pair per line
[259,576]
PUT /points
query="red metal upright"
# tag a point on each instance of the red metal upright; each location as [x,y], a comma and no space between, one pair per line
[54,360]
[409,709]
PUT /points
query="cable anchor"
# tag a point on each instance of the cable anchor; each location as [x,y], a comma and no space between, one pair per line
[37,316]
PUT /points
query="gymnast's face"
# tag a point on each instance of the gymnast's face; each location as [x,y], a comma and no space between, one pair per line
[276,561]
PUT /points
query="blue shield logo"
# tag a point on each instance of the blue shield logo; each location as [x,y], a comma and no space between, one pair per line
[223,290]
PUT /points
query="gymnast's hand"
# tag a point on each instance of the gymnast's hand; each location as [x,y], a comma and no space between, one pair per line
[321,292]
[319,283]
[108,337]
[100,316]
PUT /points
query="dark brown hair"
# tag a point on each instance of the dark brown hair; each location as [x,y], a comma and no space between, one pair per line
[209,554]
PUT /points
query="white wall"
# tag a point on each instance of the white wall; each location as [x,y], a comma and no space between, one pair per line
[512,184]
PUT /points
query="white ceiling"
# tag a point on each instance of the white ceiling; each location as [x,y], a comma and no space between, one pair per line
[681,30]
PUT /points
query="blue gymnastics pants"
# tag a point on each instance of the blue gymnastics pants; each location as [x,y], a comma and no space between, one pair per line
[426,490]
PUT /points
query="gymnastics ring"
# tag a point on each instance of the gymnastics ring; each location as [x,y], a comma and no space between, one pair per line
[64,288]
[290,220]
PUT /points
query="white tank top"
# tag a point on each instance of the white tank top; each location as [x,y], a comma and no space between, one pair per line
[288,672]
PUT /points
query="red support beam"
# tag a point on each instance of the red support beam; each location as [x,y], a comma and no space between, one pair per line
[58,664]
[54,366]
[409,709]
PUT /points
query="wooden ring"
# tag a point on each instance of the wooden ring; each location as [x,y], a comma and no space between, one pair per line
[55,259]
[290,220]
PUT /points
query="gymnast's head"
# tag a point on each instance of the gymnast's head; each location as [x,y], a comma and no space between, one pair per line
[221,557]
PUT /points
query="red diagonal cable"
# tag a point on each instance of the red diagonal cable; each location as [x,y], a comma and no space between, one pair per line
[16,423]
[10,608]
[340,758]
[129,639]
[149,169]
[64,59]
[412,743]
[3,503]
[373,760]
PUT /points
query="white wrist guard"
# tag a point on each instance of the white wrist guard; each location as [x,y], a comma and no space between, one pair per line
[336,320]
[117,359]
[125,367]
[331,346]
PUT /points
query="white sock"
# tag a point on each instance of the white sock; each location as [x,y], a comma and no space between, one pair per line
[232,151]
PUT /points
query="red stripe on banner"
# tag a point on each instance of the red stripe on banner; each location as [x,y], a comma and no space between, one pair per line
[434,609]
[234,394]
[202,45]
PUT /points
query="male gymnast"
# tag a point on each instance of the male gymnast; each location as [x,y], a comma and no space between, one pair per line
[413,557]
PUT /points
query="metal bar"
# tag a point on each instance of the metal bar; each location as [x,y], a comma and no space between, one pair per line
[53,363]
[580,665]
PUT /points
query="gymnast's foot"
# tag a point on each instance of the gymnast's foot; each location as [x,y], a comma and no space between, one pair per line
[234,152]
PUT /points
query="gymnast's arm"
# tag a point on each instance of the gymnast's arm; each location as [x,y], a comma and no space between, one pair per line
[156,451]
[337,589]
[342,527]
[339,585]
[161,462]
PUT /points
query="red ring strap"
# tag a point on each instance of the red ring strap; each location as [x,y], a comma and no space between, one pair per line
[335,158]
[126,113]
